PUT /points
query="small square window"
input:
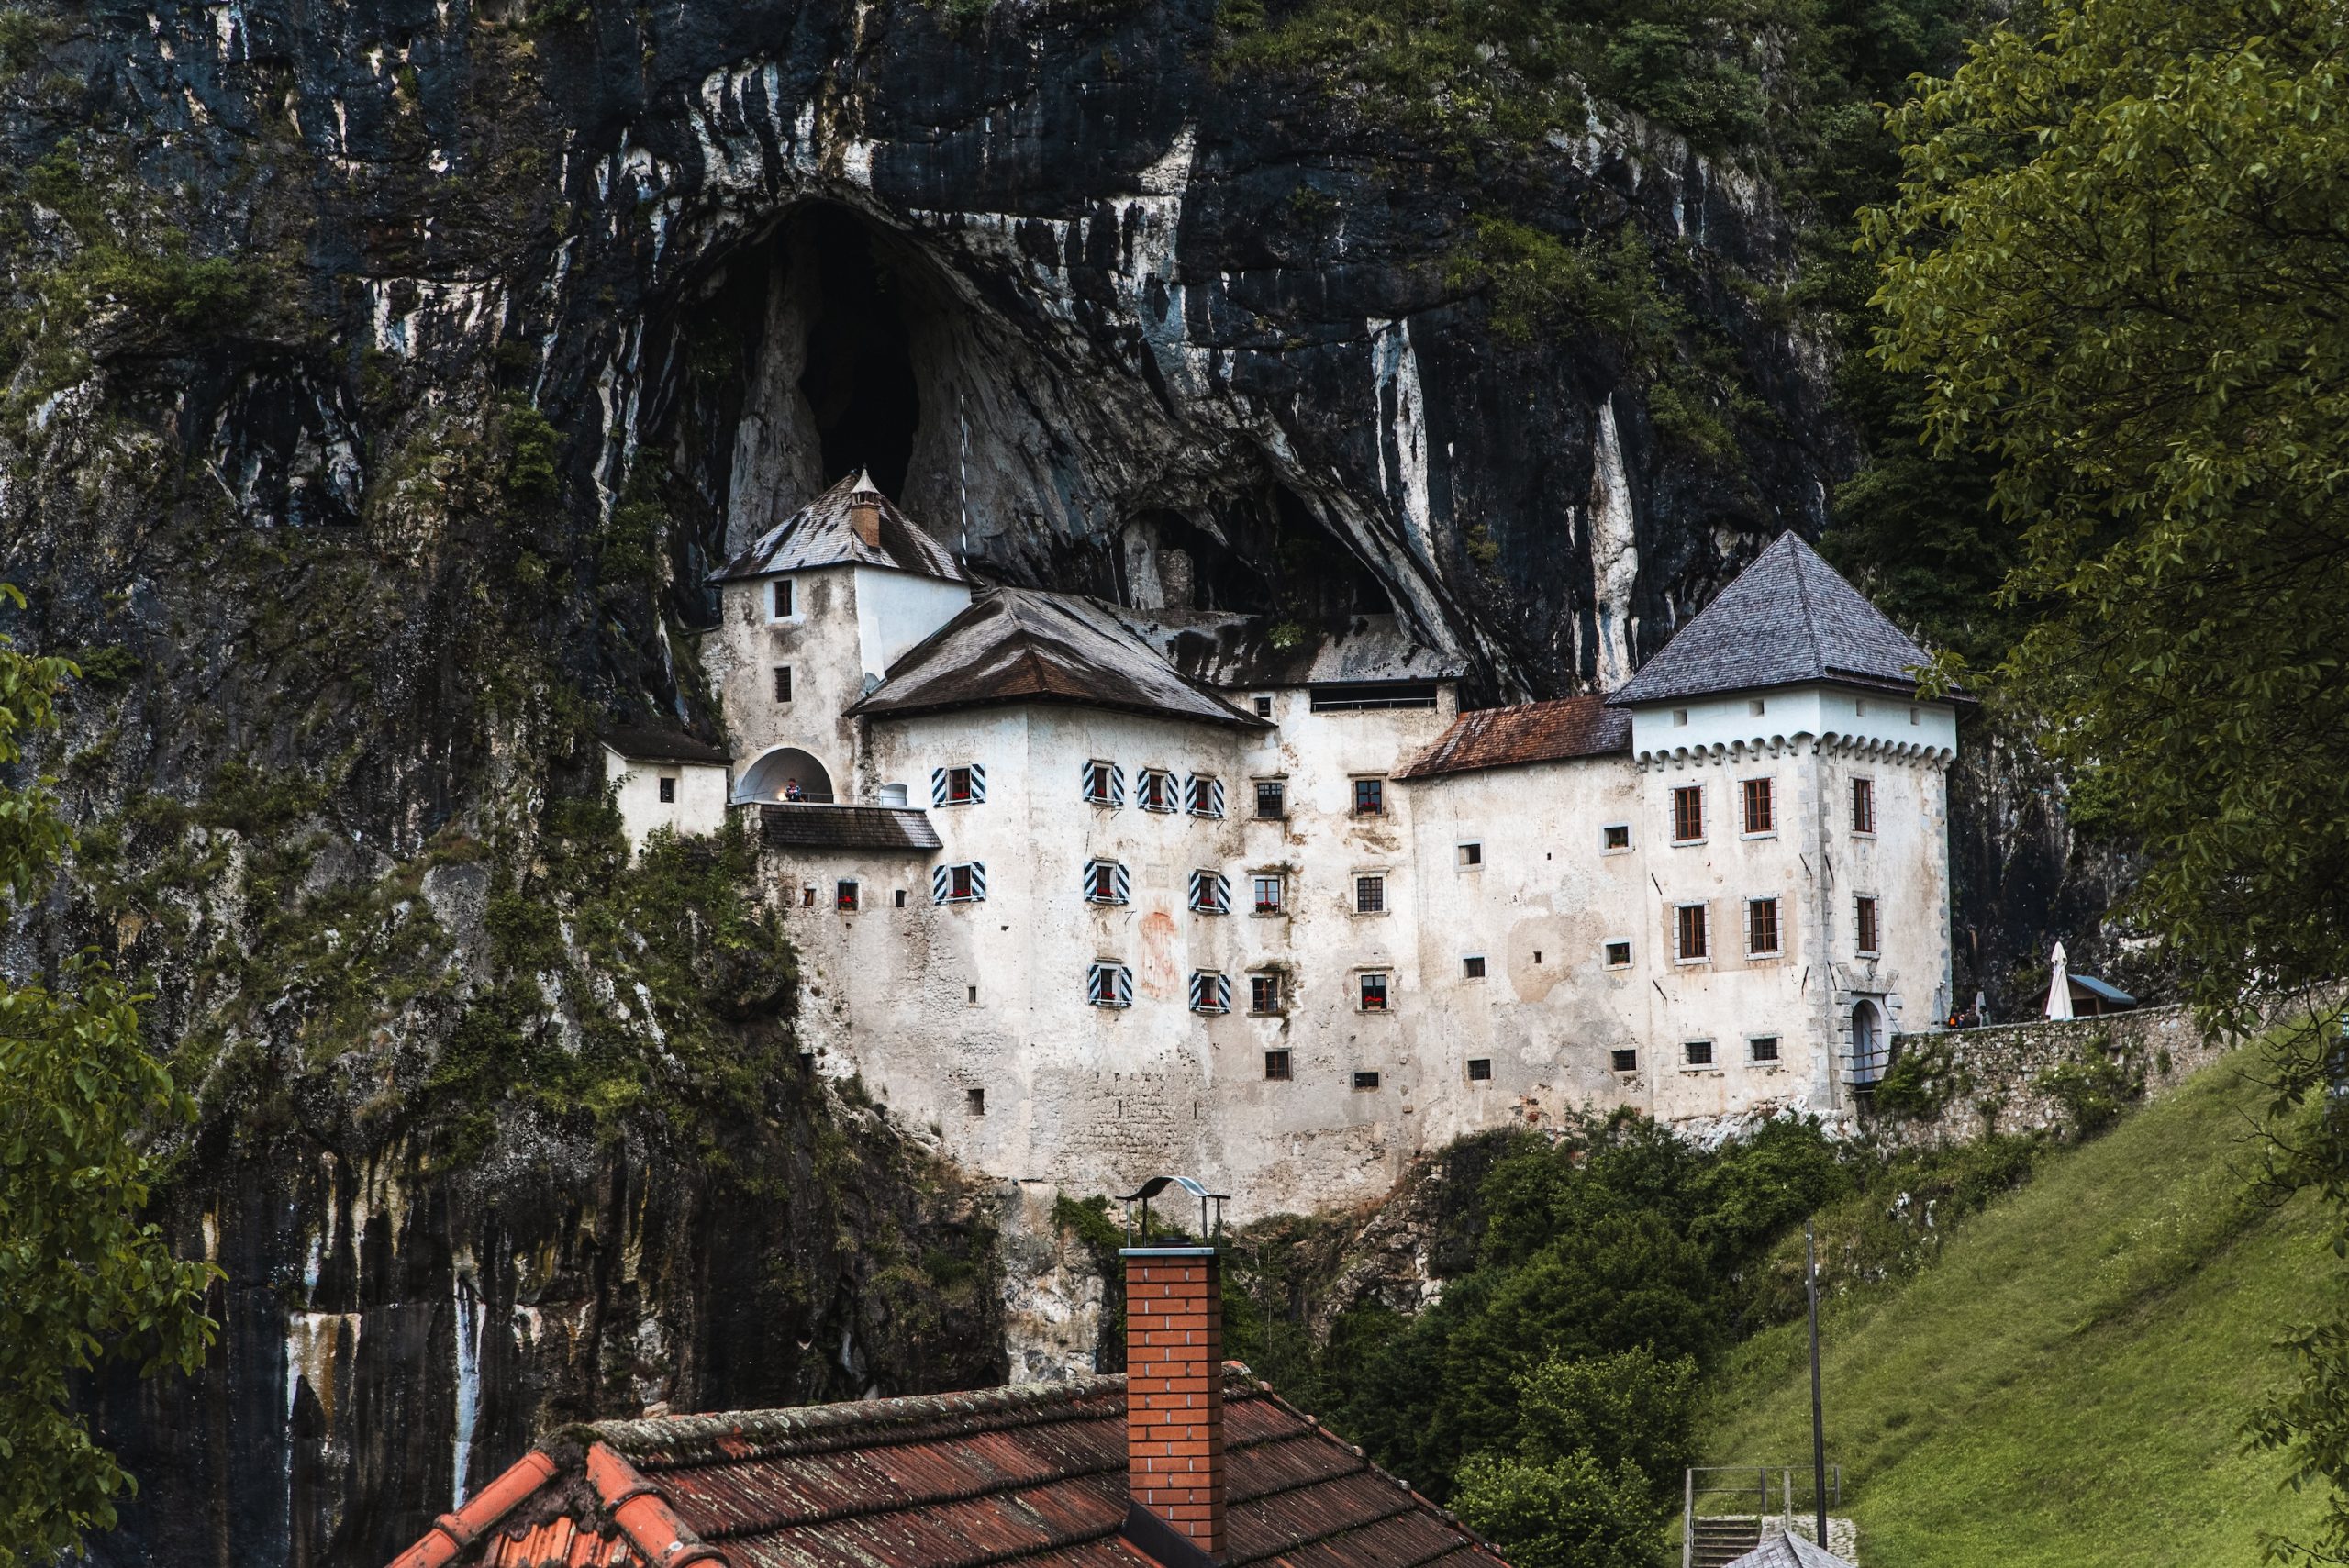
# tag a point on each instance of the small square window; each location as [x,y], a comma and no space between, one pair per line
[1366,1080]
[1203,795]
[1271,892]
[1480,1070]
[1211,992]
[779,599]
[1916,716]
[1627,1061]
[668,792]
[1697,1053]
[1761,927]
[1109,984]
[1864,925]
[901,898]
[1272,799]
[1154,790]
[807,897]
[976,1101]
[783,683]
[1761,806]
[1688,814]
[1101,783]
[1756,707]
[1688,927]
[1862,806]
[1373,993]
[1276,1065]
[960,883]
[1615,836]
[1263,707]
[1680,718]
[1370,896]
[959,789]
[1763,1048]
[1264,994]
[844,896]
[1472,855]
[1473,966]
[1370,797]
[1618,955]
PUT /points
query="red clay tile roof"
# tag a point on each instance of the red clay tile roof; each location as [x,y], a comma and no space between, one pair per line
[1530,732]
[1035,1472]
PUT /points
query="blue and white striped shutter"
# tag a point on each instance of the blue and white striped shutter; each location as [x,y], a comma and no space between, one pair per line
[1223,893]
[978,784]
[1222,992]
[939,880]
[1117,784]
[1124,881]
[978,879]
[1215,797]
[1199,888]
[1125,982]
[1084,781]
[938,787]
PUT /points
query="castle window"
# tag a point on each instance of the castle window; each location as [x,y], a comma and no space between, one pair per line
[1862,806]
[1211,992]
[844,896]
[1756,706]
[1688,929]
[1473,967]
[1761,810]
[1373,993]
[1697,1053]
[965,785]
[1272,799]
[1761,927]
[1763,1048]
[1370,896]
[1263,707]
[779,599]
[1480,1070]
[1271,890]
[668,790]
[1864,925]
[1154,790]
[1471,854]
[1370,797]
[1210,893]
[1366,1080]
[783,683]
[1627,1061]
[1362,695]
[1618,955]
[1680,718]
[1109,985]
[1276,1066]
[1203,796]
[1615,836]
[1106,881]
[807,896]
[1688,814]
[1104,783]
[901,898]
[976,1101]
[1264,994]
[964,883]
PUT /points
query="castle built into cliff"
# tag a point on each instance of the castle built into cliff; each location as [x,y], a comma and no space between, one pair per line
[1091,890]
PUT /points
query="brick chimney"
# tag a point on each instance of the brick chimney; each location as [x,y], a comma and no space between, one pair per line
[1175,1403]
[864,512]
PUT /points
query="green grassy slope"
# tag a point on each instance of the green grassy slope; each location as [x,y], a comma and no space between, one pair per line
[2064,1386]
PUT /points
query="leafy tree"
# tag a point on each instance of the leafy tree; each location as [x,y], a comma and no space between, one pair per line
[2119,258]
[1568,1513]
[83,1279]
[1631,1408]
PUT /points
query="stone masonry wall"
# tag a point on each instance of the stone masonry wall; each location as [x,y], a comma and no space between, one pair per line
[1956,1086]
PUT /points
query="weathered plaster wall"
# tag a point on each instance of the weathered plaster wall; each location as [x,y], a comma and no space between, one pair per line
[699,807]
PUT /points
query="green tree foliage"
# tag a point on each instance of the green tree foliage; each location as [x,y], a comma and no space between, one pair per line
[85,1279]
[1568,1513]
[2118,258]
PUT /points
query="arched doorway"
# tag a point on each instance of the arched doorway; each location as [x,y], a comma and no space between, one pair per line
[1868,1043]
[785,774]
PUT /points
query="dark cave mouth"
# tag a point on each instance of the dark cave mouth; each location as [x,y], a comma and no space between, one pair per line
[857,374]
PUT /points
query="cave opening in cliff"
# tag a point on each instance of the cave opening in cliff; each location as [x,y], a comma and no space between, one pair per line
[859,376]
[1315,572]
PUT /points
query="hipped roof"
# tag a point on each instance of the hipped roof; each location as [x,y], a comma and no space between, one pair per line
[819,534]
[1788,618]
[1034,1473]
[1017,645]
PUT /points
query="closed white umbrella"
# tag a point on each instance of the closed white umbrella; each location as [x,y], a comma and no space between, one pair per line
[2059,987]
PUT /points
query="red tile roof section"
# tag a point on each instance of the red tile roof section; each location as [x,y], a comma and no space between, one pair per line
[1530,732]
[1035,1474]
[451,1533]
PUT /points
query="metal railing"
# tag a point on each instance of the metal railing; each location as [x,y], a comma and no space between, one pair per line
[1742,1491]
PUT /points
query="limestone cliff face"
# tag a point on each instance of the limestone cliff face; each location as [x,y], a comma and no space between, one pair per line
[382,377]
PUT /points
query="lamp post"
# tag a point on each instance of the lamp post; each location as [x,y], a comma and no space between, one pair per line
[1818,1415]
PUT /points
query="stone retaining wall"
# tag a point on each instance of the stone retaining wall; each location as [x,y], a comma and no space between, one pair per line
[1956,1086]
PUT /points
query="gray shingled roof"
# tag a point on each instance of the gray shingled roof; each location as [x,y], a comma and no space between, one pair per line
[818,534]
[1787,618]
[1790,1551]
[644,744]
[846,828]
[1020,645]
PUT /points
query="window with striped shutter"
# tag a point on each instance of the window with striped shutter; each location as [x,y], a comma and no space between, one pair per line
[963,883]
[1211,992]
[965,785]
[1210,893]
[1109,985]
[1154,790]
[1107,882]
[1103,783]
[1204,795]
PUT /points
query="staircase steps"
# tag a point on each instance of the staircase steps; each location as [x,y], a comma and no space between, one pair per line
[1719,1542]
